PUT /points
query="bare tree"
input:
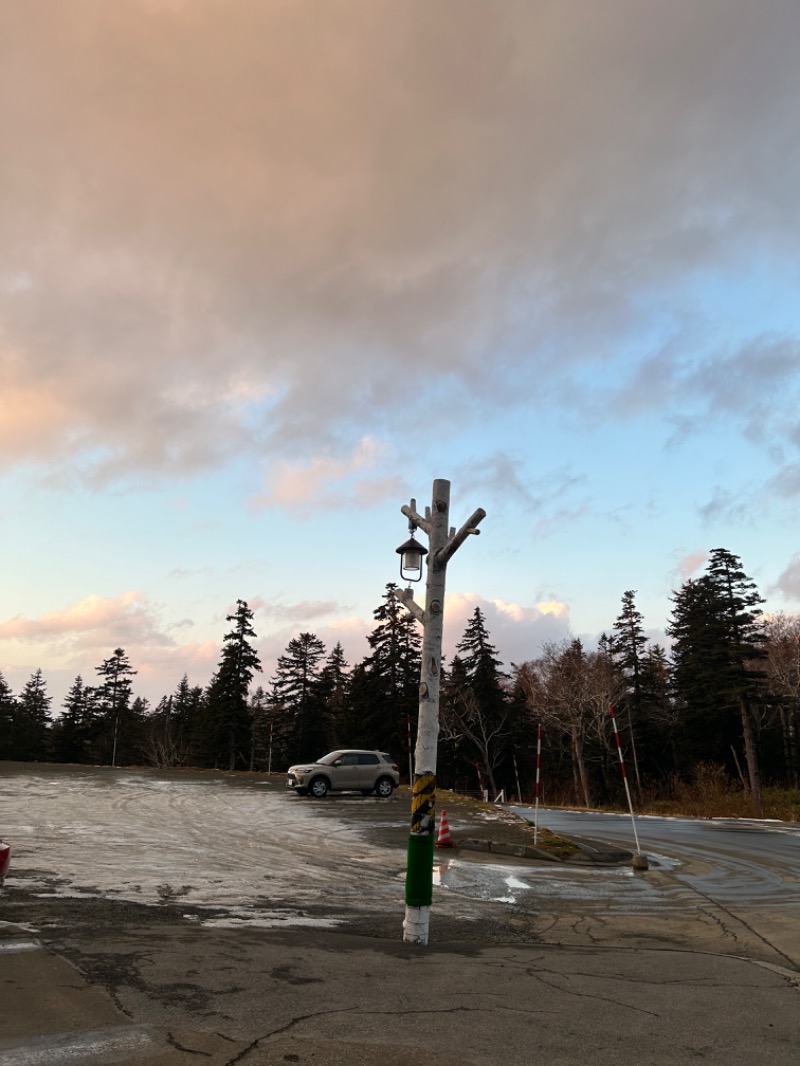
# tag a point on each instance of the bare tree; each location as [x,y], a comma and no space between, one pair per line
[463,718]
[783,673]
[570,690]
[556,690]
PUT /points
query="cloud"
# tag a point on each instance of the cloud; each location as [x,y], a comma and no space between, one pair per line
[350,631]
[125,617]
[328,482]
[161,668]
[726,506]
[518,632]
[688,565]
[502,475]
[33,418]
[258,228]
[300,613]
[787,481]
[789,581]
[747,382]
[77,638]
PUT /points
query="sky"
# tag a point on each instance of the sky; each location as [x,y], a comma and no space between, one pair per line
[269,268]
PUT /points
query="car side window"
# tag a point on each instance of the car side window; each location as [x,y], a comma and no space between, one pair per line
[368,760]
[348,760]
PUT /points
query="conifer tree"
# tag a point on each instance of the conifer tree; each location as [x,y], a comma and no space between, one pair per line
[118,733]
[8,707]
[745,641]
[334,687]
[627,646]
[132,749]
[629,643]
[225,731]
[71,731]
[659,712]
[385,691]
[697,655]
[32,720]
[302,723]
[477,709]
[259,729]
[171,728]
[186,704]
[457,759]
[717,663]
[354,722]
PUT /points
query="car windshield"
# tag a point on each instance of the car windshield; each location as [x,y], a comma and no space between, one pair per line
[330,758]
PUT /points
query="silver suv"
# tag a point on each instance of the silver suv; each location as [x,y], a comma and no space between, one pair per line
[345,770]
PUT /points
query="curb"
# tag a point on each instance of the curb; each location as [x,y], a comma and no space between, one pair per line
[589,853]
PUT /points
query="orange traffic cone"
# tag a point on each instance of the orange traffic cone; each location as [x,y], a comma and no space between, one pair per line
[444,840]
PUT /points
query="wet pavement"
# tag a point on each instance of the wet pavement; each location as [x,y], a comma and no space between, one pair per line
[181,917]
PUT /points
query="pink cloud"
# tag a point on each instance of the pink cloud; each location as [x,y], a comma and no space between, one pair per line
[127,613]
[690,564]
[329,481]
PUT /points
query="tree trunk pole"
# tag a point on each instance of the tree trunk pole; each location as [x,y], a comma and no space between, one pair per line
[443,543]
[419,874]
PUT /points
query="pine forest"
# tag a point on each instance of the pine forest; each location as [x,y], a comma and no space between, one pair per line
[717,713]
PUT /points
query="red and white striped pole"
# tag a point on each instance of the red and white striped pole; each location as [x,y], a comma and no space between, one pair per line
[538,770]
[639,860]
[484,793]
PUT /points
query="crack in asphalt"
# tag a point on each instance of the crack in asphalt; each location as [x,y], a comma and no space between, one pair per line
[741,921]
[356,1011]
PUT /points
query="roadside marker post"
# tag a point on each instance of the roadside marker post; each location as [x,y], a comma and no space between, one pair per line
[639,860]
[536,798]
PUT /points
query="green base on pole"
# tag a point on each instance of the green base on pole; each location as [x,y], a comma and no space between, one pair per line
[419,871]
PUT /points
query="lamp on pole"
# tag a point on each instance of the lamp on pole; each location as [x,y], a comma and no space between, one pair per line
[443,542]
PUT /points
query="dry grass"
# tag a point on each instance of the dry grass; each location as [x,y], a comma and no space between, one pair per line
[713,794]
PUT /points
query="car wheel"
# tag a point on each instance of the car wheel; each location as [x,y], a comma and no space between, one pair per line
[318,787]
[384,787]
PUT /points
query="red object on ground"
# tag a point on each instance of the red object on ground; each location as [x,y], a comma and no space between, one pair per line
[5,859]
[444,840]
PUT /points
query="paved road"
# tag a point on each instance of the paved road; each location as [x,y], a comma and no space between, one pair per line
[730,859]
[746,869]
[162,920]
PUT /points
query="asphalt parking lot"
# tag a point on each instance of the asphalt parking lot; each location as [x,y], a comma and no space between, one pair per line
[153,918]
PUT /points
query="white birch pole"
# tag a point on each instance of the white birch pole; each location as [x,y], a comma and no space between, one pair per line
[443,543]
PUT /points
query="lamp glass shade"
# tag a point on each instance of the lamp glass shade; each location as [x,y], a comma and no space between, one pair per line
[411,560]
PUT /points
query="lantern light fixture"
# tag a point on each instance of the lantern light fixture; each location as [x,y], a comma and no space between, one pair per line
[411,554]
